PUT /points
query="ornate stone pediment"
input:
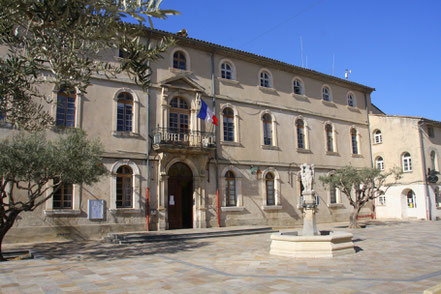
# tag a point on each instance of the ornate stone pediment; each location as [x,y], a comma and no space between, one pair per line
[182,82]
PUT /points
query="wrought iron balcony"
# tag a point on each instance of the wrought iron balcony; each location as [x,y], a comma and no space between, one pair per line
[173,138]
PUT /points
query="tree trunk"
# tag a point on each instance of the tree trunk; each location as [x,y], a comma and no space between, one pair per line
[9,222]
[353,218]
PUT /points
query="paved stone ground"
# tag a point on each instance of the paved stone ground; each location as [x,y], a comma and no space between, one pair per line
[396,257]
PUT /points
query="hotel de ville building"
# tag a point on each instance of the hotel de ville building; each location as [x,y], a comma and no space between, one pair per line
[272,117]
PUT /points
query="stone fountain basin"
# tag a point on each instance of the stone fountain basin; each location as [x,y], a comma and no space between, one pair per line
[326,245]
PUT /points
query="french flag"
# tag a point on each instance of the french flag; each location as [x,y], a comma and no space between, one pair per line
[206,114]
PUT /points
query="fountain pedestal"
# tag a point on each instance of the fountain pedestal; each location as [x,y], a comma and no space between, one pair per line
[310,243]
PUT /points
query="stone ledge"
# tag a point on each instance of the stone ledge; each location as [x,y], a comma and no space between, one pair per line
[232,208]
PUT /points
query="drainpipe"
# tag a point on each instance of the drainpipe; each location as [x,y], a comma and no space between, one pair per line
[213,93]
[423,156]
[369,127]
[367,103]
[147,196]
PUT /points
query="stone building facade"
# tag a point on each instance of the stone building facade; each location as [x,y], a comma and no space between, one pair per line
[412,144]
[273,117]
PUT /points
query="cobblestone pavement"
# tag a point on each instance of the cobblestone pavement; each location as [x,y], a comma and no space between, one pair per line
[397,257]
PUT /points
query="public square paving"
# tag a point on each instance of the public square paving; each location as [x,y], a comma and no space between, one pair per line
[393,257]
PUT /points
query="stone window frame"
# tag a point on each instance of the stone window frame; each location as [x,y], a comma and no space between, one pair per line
[236,140]
[277,198]
[269,79]
[76,202]
[334,138]
[378,136]
[305,133]
[233,69]
[354,99]
[78,109]
[239,196]
[379,161]
[273,144]
[136,184]
[330,96]
[406,160]
[355,144]
[302,86]
[187,60]
[135,113]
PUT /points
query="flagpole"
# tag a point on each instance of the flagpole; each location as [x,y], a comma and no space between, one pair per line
[213,92]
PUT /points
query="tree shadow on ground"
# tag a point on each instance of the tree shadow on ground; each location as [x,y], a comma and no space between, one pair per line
[98,250]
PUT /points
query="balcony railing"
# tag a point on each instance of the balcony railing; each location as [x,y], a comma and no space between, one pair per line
[183,138]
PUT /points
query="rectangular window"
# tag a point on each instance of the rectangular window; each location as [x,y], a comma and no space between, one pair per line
[65,111]
[300,138]
[62,198]
[333,195]
[228,129]
[354,144]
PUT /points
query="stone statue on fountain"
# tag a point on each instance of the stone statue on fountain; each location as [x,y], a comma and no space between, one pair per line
[309,200]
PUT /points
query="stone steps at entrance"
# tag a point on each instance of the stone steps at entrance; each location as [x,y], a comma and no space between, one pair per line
[185,234]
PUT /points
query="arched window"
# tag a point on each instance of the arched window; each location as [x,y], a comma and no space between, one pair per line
[270,191]
[433,160]
[329,138]
[300,134]
[179,60]
[411,199]
[406,160]
[326,94]
[62,198]
[298,87]
[179,116]
[124,187]
[230,189]
[354,141]
[226,71]
[378,138]
[379,163]
[267,129]
[228,120]
[124,112]
[265,79]
[351,100]
[65,116]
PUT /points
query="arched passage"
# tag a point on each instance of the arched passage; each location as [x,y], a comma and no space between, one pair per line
[180,196]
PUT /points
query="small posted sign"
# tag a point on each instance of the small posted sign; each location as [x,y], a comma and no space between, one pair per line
[96,209]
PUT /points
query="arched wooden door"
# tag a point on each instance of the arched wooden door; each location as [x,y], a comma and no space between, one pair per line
[180,197]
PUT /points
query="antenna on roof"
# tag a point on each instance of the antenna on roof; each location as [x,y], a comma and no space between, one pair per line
[333,63]
[306,61]
[301,49]
[347,73]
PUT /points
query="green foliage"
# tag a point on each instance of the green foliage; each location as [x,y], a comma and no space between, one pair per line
[33,168]
[360,185]
[30,162]
[68,39]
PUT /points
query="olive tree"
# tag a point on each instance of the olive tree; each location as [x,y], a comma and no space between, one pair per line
[33,168]
[360,185]
[63,42]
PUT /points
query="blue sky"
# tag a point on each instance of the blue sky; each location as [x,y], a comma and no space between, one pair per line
[392,46]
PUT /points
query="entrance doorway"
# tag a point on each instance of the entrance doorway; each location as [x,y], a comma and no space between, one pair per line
[180,197]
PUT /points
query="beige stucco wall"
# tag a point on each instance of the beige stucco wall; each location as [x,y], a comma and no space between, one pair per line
[407,134]
[97,116]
